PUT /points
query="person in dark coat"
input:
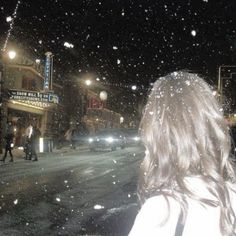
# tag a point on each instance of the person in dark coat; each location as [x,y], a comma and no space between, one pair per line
[9,140]
[73,138]
[27,149]
[34,142]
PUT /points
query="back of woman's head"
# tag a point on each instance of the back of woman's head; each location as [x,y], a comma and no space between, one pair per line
[184,133]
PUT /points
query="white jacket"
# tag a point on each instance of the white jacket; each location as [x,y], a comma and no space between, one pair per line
[202,219]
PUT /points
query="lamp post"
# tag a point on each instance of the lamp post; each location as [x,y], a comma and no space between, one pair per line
[220,80]
[4,56]
[1,107]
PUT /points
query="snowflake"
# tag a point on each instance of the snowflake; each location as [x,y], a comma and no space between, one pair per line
[98,207]
[9,19]
[58,199]
[16,201]
[193,33]
[68,45]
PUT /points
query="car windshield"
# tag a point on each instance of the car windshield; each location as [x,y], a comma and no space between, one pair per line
[131,132]
[74,70]
[107,132]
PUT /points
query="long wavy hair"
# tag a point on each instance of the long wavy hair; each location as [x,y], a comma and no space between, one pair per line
[186,135]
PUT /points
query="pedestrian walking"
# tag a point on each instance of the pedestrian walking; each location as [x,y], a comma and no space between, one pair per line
[187,181]
[68,136]
[8,147]
[27,149]
[74,138]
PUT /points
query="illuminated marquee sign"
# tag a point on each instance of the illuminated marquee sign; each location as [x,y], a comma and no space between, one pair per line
[33,96]
[48,70]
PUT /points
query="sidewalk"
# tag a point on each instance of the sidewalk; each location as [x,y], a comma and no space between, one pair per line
[19,153]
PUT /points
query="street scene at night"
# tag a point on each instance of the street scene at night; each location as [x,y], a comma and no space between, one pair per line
[78,80]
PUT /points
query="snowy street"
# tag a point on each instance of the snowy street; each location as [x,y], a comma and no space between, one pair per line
[75,192]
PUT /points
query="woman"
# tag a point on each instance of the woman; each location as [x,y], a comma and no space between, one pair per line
[187,182]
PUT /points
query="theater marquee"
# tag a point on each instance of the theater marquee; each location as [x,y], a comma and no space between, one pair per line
[33,96]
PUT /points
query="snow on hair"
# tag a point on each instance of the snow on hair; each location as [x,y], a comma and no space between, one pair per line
[185,134]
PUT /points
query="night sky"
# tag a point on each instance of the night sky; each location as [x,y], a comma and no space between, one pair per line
[125,42]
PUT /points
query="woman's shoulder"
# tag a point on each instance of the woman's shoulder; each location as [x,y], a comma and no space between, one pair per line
[160,204]
[159,200]
[153,217]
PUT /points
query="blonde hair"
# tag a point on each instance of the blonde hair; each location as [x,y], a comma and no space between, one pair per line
[185,134]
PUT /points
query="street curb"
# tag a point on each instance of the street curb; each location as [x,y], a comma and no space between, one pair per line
[19,153]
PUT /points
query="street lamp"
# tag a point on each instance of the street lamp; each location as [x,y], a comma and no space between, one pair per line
[88,82]
[10,55]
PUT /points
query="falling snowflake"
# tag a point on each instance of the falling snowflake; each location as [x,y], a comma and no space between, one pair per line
[123,12]
[98,207]
[68,45]
[9,19]
[118,61]
[187,82]
[58,199]
[16,201]
[115,48]
[193,33]
[214,93]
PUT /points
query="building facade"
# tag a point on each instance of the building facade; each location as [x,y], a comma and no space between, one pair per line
[25,101]
[85,107]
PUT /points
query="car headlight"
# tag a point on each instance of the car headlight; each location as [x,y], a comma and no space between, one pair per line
[90,140]
[136,138]
[109,139]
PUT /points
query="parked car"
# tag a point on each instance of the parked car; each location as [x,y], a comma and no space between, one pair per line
[132,137]
[107,139]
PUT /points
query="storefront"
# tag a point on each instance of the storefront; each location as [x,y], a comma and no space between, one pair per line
[29,107]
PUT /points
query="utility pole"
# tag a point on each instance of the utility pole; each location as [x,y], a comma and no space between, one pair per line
[220,79]
[1,106]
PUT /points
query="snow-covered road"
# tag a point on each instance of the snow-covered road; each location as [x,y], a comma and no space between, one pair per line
[70,193]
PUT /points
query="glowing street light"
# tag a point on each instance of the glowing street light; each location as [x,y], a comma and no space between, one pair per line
[11,54]
[88,82]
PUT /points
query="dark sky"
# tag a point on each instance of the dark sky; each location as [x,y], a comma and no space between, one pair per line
[127,42]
